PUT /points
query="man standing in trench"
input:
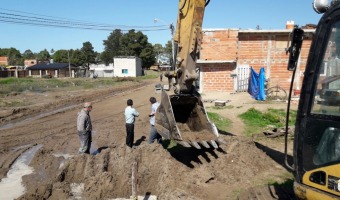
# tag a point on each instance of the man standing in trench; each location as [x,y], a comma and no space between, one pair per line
[154,135]
[130,115]
[84,127]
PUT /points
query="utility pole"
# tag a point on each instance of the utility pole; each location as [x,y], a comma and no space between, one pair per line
[69,64]
[172,28]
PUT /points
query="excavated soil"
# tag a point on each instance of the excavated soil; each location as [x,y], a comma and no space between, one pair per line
[173,173]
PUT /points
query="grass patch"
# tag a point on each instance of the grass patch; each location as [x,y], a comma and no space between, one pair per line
[15,103]
[18,85]
[149,74]
[220,122]
[256,120]
[287,181]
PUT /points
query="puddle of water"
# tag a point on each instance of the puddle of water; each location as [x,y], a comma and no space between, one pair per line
[11,187]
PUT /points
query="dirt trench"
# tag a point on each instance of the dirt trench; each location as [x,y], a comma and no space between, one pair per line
[178,173]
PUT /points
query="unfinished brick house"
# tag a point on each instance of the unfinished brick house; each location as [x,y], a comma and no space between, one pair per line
[3,60]
[227,55]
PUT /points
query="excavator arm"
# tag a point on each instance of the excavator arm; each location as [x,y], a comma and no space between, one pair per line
[187,41]
[181,116]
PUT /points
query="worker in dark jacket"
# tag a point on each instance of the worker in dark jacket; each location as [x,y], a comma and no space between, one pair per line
[84,128]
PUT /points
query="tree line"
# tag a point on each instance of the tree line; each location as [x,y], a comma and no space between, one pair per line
[117,43]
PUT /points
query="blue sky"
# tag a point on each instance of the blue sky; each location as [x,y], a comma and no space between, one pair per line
[245,14]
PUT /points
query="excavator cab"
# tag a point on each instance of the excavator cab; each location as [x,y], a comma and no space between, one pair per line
[316,155]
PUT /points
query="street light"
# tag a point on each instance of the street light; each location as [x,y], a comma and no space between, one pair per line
[172,31]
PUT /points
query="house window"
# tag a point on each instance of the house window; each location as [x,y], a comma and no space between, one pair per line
[124,71]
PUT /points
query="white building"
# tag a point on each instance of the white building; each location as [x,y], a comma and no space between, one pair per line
[129,66]
[102,70]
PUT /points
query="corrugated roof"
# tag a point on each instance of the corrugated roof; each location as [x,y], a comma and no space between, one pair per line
[42,66]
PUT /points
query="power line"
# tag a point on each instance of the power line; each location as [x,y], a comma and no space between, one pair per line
[68,23]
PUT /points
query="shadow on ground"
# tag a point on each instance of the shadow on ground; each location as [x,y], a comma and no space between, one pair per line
[277,156]
[191,155]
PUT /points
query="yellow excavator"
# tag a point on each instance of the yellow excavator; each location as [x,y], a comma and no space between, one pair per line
[316,158]
[181,115]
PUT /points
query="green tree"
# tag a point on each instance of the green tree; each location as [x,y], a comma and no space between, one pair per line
[60,56]
[168,50]
[136,44]
[28,54]
[77,57]
[112,46]
[129,44]
[147,55]
[89,55]
[3,52]
[43,55]
[14,57]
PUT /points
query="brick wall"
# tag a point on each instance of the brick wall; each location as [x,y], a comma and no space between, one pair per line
[268,50]
[3,60]
[219,45]
[254,48]
[217,77]
[30,62]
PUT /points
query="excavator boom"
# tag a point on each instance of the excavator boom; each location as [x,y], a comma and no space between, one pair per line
[188,40]
[181,116]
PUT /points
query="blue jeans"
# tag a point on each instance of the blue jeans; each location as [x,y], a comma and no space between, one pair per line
[154,135]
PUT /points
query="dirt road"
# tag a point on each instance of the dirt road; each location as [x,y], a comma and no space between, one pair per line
[61,173]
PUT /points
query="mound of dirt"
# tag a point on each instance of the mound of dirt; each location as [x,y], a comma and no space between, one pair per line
[168,173]
[177,173]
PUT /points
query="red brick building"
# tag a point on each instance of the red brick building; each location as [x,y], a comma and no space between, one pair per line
[30,62]
[228,54]
[3,60]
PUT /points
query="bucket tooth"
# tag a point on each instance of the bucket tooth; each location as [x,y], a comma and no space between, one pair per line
[195,144]
[205,144]
[184,144]
[221,141]
[213,143]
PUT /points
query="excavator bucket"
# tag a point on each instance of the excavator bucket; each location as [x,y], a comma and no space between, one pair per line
[182,118]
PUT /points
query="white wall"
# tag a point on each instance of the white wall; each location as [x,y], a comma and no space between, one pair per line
[102,70]
[127,66]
